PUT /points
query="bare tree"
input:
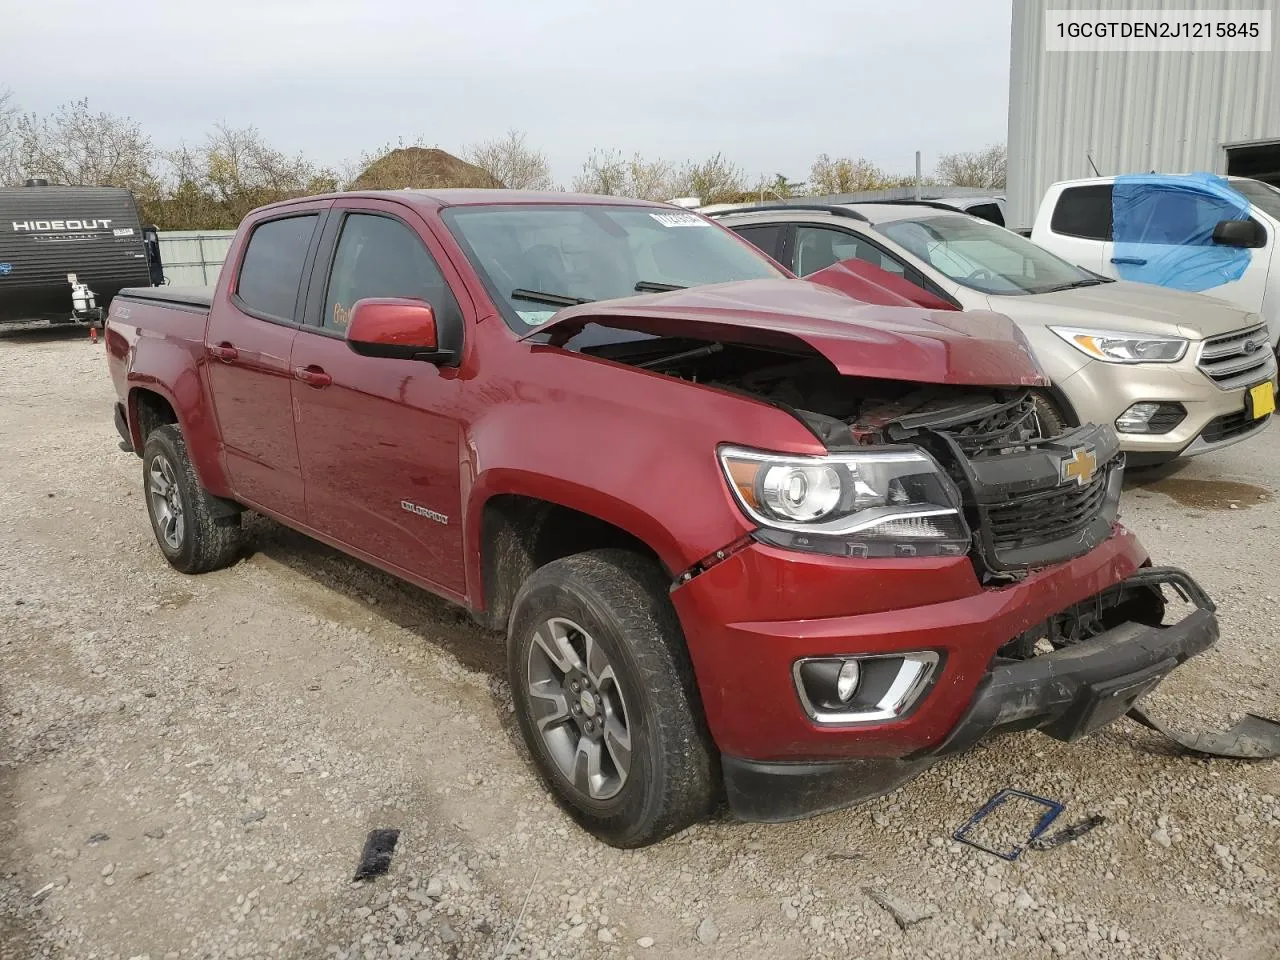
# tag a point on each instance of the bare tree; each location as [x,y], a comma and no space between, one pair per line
[607,172]
[214,185]
[10,145]
[986,168]
[77,147]
[512,162]
[846,175]
[778,187]
[715,180]
[243,171]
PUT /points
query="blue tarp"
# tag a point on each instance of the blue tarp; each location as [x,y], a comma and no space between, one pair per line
[1163,230]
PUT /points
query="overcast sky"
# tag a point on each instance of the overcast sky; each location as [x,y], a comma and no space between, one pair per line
[771,84]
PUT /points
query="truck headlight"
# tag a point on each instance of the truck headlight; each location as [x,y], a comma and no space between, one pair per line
[1113,346]
[874,503]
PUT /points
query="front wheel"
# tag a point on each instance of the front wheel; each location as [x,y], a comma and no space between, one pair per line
[605,697]
[1053,421]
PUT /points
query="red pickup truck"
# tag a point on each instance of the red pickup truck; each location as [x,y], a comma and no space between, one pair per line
[749,539]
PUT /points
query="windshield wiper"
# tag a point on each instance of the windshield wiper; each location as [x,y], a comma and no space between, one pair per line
[653,286]
[551,299]
[1086,282]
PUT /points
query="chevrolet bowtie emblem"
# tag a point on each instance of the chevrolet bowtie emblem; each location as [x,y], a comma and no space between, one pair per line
[1080,466]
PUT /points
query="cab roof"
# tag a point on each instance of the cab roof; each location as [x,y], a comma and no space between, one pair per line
[463,197]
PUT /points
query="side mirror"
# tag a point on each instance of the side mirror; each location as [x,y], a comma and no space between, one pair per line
[1239,233]
[396,329]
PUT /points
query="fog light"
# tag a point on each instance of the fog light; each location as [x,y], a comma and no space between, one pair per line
[863,689]
[1151,418]
[847,680]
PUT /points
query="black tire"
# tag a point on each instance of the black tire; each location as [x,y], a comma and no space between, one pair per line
[203,539]
[620,600]
[1052,420]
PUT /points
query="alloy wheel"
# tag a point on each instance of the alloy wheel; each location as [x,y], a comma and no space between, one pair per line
[579,709]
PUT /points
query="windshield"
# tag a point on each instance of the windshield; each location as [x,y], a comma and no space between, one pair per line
[985,257]
[537,258]
[1262,195]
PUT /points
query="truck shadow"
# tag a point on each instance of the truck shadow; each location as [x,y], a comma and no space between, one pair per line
[380,596]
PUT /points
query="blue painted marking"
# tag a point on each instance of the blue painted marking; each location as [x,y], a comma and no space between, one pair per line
[6,269]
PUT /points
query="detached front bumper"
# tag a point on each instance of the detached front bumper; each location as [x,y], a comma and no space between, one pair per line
[1066,694]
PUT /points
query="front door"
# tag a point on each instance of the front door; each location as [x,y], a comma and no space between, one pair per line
[248,341]
[1163,234]
[379,443]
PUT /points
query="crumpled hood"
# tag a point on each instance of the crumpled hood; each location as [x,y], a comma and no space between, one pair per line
[861,340]
[1139,307]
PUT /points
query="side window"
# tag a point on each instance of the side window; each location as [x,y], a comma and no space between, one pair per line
[271,271]
[1179,217]
[381,257]
[1083,212]
[987,211]
[819,247]
[765,236]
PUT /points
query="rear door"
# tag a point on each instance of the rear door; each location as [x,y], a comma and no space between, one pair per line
[249,338]
[379,439]
[1080,228]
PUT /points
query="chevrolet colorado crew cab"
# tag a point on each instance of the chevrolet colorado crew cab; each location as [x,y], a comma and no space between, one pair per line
[750,540]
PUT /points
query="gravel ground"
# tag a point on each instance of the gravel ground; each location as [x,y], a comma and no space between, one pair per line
[189,766]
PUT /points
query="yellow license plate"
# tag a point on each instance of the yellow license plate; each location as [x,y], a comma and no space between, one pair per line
[1262,400]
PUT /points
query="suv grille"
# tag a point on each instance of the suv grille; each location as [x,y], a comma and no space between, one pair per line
[1231,425]
[1238,359]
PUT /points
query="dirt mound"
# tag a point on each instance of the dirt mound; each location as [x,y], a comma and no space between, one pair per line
[421,168]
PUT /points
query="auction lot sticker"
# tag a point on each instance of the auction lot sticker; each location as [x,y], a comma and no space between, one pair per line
[1140,30]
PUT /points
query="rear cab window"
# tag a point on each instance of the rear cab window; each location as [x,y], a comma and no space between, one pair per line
[271,269]
[1083,212]
[987,211]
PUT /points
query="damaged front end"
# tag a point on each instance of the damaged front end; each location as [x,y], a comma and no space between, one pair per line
[1087,666]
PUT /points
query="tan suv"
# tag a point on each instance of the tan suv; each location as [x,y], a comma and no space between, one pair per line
[1177,373]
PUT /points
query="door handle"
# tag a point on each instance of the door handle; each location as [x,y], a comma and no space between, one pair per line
[312,376]
[1136,261]
[224,352]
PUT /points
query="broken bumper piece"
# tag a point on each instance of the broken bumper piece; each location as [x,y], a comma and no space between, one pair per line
[1066,694]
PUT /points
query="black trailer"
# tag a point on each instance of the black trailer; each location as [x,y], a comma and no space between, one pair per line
[66,251]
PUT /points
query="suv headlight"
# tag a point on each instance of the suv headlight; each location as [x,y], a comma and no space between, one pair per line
[1114,346]
[875,503]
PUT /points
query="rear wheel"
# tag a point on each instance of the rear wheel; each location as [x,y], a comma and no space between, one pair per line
[605,698]
[191,534]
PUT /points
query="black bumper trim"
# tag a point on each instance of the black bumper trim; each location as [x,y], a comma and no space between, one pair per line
[122,427]
[1065,694]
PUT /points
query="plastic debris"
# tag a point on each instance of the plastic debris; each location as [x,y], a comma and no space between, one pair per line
[964,834]
[1066,835]
[904,912]
[375,859]
[1253,738]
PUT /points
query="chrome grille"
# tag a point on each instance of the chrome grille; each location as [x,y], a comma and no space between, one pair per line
[1238,359]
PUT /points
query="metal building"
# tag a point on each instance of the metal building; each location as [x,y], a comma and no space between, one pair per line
[1172,112]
